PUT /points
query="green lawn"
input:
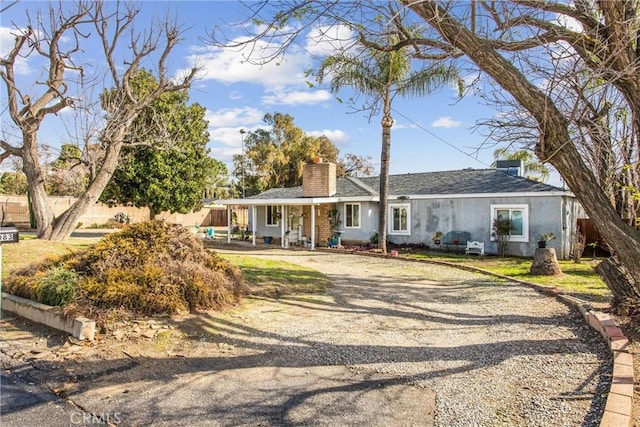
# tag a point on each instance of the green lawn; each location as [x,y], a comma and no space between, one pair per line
[277,278]
[29,250]
[579,280]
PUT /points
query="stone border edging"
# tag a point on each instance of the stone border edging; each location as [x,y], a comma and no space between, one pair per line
[80,328]
[619,407]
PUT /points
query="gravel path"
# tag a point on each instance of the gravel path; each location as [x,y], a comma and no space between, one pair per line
[391,343]
[494,352]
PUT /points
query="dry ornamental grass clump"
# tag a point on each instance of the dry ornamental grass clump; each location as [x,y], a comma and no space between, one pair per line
[146,269]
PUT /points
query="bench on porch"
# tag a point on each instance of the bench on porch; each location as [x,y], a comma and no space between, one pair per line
[455,240]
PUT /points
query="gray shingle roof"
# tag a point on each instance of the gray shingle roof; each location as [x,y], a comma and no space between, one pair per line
[466,181]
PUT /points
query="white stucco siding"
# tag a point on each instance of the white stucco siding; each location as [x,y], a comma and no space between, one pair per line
[545,214]
[368,222]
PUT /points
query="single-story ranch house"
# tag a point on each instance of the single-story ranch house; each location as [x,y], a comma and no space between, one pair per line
[461,204]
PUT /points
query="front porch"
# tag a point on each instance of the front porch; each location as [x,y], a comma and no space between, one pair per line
[293,224]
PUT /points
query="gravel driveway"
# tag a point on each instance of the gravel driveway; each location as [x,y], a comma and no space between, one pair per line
[390,343]
[493,352]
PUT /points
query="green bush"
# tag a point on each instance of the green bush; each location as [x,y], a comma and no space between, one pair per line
[57,288]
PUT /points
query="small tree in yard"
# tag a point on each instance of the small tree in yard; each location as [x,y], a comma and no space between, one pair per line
[165,165]
[502,234]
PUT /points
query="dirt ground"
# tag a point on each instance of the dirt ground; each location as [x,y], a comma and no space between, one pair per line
[372,351]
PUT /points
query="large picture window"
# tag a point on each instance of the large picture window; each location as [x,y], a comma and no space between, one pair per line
[519,217]
[352,215]
[400,219]
[272,215]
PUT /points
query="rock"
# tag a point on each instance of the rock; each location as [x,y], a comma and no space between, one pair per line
[75,341]
[149,334]
[119,334]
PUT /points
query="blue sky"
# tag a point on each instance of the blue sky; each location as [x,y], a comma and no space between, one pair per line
[429,134]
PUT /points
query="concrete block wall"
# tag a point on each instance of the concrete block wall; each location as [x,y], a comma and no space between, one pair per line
[81,328]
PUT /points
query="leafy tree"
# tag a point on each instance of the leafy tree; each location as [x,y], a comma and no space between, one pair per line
[217,184]
[58,38]
[354,165]
[533,169]
[275,156]
[14,183]
[382,75]
[164,167]
[66,175]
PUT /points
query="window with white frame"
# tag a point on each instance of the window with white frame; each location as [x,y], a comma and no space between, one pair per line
[519,217]
[272,215]
[352,215]
[399,219]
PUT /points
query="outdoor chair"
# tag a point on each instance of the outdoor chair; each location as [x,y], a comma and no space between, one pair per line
[476,248]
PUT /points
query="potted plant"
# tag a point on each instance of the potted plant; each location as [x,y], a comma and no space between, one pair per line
[542,241]
[437,237]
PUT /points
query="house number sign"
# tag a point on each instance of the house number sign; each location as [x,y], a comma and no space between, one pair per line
[8,235]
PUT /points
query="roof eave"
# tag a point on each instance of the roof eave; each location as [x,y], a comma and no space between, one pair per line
[296,201]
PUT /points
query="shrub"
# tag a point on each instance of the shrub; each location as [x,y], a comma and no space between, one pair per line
[502,233]
[374,238]
[58,287]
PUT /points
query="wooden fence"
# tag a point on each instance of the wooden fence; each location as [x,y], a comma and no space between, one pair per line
[593,239]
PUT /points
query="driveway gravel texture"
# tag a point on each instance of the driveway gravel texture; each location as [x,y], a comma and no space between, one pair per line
[391,342]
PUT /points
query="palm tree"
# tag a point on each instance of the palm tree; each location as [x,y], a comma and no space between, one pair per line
[533,169]
[380,76]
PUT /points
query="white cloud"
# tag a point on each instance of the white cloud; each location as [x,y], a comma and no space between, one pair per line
[569,23]
[336,136]
[399,126]
[227,117]
[223,154]
[296,97]
[327,40]
[7,42]
[445,122]
[231,65]
[227,141]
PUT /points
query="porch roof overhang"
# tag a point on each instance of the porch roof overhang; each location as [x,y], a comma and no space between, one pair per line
[304,201]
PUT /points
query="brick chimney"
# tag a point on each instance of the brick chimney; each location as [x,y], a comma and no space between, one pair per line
[319,179]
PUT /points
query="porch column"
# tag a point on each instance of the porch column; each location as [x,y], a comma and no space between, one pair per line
[253,225]
[283,215]
[313,227]
[228,224]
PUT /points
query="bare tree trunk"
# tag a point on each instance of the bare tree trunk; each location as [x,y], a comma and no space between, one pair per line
[555,145]
[64,225]
[622,285]
[35,179]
